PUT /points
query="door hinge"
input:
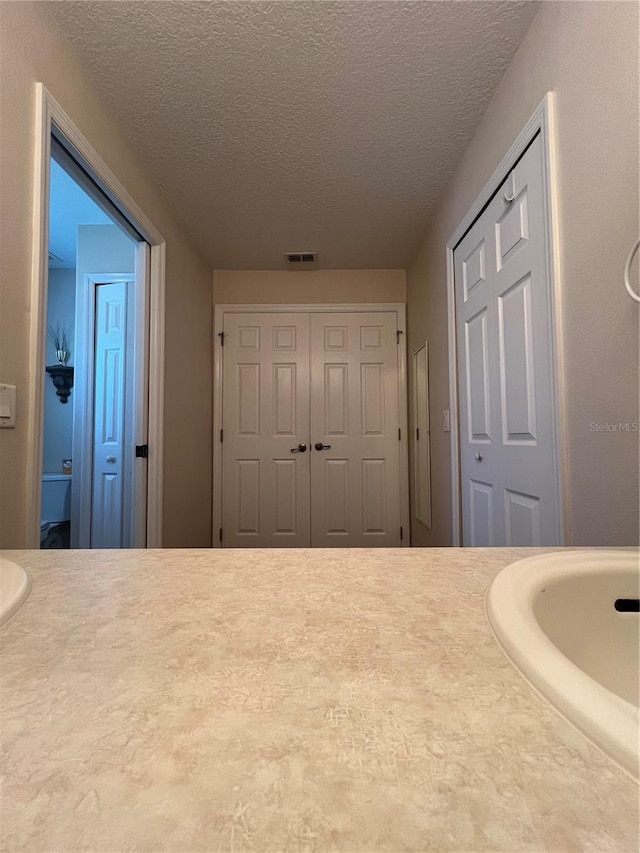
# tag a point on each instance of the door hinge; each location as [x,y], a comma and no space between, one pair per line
[399,434]
[221,336]
[142,451]
[401,534]
[221,534]
[398,333]
[417,433]
[221,436]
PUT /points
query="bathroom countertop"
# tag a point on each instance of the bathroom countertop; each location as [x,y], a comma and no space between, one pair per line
[338,700]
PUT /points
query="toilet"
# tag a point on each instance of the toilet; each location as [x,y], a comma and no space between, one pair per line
[56,511]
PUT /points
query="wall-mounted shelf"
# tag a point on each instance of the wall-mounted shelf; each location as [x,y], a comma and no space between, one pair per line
[62,378]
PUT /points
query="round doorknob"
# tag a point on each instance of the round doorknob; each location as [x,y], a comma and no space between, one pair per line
[299,449]
[479,457]
[111,459]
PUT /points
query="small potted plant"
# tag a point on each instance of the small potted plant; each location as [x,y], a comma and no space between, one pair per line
[60,337]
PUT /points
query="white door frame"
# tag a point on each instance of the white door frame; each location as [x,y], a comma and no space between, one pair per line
[51,117]
[399,308]
[542,121]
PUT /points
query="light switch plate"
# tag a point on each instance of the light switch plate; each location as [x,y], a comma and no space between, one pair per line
[7,406]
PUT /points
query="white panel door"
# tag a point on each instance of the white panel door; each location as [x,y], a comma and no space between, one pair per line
[507,419]
[265,470]
[355,499]
[109,416]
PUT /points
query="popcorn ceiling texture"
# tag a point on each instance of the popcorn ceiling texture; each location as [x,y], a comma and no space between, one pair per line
[276,127]
[284,700]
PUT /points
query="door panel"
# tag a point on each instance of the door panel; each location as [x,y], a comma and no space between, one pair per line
[336,473]
[354,397]
[374,502]
[481,515]
[284,338]
[335,338]
[509,492]
[517,380]
[285,495]
[522,519]
[372,400]
[265,415]
[336,410]
[512,229]
[248,385]
[247,508]
[474,269]
[478,379]
[285,399]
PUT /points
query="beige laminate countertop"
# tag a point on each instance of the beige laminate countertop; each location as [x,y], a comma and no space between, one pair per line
[343,700]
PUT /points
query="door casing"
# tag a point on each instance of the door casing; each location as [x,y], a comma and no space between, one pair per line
[220,310]
[542,121]
[52,119]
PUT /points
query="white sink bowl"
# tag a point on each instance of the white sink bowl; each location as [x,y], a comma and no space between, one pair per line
[14,589]
[555,616]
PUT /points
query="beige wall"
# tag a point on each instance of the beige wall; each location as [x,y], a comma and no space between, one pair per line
[31,50]
[587,53]
[290,286]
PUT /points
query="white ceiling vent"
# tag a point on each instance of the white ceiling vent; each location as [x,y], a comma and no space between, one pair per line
[301,259]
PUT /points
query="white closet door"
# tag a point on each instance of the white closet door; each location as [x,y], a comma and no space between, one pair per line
[265,485]
[109,416]
[507,416]
[355,495]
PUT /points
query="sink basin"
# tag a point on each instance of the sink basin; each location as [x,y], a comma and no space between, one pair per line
[14,589]
[569,623]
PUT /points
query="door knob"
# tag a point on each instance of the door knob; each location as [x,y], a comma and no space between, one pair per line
[479,457]
[320,446]
[299,449]
[111,459]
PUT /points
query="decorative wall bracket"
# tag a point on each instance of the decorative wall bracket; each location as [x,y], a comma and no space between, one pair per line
[62,378]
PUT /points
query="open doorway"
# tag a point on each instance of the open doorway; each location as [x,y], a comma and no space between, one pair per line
[96,309]
[104,311]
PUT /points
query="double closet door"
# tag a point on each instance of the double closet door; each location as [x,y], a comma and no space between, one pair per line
[310,441]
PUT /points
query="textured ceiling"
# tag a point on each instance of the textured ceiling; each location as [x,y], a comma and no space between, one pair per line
[288,126]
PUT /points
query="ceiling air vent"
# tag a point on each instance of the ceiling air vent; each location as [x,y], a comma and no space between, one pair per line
[301,259]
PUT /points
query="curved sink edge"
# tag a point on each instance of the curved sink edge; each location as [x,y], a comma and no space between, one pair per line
[20,597]
[613,729]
